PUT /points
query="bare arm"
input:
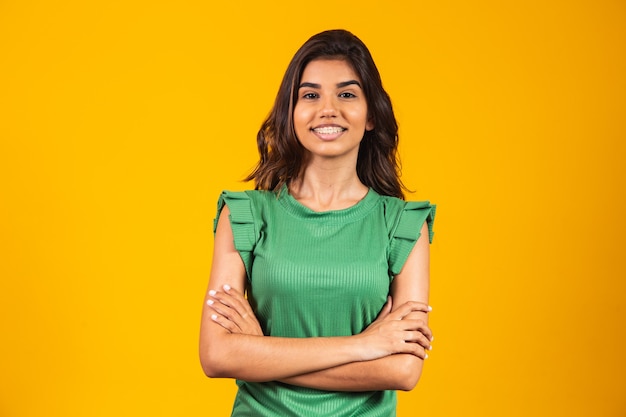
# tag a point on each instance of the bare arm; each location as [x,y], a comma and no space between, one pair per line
[224,353]
[388,373]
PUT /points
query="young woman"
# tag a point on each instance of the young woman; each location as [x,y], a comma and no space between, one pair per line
[317,301]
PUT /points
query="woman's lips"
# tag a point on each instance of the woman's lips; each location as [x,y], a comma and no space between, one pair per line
[328,132]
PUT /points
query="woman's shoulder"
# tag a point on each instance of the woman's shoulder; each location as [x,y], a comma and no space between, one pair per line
[248,194]
[405,217]
[248,200]
[395,203]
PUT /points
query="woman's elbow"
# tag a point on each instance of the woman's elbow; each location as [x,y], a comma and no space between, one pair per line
[409,382]
[212,364]
[409,375]
[210,369]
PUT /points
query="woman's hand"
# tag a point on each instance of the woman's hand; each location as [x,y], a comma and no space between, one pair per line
[393,332]
[233,312]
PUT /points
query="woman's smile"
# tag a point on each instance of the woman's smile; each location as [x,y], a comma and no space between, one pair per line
[329,132]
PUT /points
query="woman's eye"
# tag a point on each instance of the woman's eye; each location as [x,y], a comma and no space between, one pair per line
[309,96]
[347,95]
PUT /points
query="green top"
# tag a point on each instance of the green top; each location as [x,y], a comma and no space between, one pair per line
[318,274]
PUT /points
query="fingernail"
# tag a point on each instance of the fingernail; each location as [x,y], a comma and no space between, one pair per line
[226,287]
[430,347]
[212,293]
[214,316]
[425,356]
[430,308]
[432,338]
[210,302]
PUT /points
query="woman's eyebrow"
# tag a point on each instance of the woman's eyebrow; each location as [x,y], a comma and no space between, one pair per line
[347,83]
[310,85]
[339,85]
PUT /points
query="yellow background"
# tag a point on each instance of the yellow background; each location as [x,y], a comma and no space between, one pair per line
[120,122]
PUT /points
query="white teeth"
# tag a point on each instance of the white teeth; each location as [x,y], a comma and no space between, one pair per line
[328,130]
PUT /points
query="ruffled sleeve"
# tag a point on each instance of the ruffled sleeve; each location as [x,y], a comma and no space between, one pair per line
[242,223]
[406,231]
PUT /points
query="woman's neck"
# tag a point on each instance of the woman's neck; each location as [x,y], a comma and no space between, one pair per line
[324,187]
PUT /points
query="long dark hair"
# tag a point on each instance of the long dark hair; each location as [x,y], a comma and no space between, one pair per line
[281,154]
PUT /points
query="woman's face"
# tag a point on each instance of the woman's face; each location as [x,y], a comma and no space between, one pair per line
[330,116]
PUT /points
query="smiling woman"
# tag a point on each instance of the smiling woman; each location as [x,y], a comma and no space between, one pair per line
[318,296]
[330,116]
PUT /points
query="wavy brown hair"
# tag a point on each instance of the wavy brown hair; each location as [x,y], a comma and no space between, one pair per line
[282,157]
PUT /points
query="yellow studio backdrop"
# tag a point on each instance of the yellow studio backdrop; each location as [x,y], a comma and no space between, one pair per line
[120,122]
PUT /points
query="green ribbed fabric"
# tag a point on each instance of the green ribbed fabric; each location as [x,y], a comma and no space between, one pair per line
[317,274]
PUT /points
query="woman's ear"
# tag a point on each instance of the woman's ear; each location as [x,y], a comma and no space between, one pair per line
[370,124]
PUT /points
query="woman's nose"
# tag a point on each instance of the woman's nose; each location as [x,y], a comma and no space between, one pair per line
[329,107]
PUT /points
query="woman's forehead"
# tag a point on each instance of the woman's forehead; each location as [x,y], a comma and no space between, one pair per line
[329,69]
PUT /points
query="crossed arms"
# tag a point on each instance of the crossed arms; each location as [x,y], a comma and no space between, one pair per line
[387,355]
